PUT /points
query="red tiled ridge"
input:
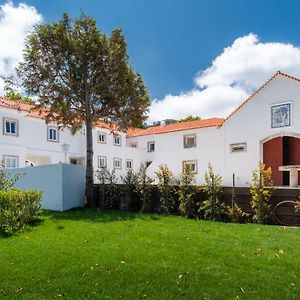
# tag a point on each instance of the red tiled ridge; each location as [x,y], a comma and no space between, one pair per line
[211,122]
[41,113]
[259,89]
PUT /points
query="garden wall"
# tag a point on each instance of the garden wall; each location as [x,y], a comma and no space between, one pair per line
[285,212]
[63,185]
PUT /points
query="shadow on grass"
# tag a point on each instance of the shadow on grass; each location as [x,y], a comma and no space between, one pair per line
[28,227]
[97,215]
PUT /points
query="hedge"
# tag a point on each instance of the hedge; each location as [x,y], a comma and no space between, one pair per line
[18,208]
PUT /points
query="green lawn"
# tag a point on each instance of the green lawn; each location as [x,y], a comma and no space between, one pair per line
[89,254]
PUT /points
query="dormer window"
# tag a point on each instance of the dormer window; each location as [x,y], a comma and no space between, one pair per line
[117,140]
[52,134]
[10,127]
[189,140]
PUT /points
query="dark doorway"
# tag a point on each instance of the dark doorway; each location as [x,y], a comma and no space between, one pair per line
[286,159]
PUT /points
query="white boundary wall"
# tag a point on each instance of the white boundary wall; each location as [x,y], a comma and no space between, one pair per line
[63,185]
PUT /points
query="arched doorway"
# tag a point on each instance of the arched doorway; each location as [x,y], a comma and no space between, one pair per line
[281,151]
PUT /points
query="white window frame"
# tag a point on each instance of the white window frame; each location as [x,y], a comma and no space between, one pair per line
[149,146]
[117,159]
[11,121]
[104,158]
[188,136]
[191,162]
[101,133]
[131,164]
[15,157]
[120,139]
[49,128]
[238,147]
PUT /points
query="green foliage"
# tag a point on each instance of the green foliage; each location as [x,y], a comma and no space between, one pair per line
[109,188]
[236,214]
[7,181]
[131,198]
[81,75]
[212,208]
[297,208]
[189,118]
[143,188]
[187,192]
[261,189]
[18,208]
[166,189]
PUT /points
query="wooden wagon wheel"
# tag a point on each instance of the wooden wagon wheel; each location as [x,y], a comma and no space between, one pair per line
[275,215]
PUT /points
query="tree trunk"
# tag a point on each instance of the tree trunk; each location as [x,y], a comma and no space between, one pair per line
[89,163]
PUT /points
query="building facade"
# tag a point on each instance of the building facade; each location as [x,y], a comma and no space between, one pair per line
[264,128]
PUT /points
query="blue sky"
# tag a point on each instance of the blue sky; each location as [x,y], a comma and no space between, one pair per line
[172,41]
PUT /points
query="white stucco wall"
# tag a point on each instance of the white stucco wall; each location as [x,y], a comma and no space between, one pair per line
[252,124]
[62,185]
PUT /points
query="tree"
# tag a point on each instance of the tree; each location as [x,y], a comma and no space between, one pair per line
[212,208]
[81,75]
[166,189]
[189,118]
[261,189]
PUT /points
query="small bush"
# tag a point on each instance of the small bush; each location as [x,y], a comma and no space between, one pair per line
[131,199]
[187,192]
[18,208]
[261,189]
[110,191]
[143,188]
[7,181]
[166,190]
[236,214]
[212,208]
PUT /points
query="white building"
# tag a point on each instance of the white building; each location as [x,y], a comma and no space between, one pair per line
[264,128]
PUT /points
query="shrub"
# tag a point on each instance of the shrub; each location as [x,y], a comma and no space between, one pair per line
[187,192]
[234,212]
[297,208]
[131,201]
[109,188]
[212,208]
[143,188]
[18,208]
[166,190]
[261,189]
[7,181]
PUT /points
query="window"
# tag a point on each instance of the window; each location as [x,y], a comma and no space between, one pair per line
[189,141]
[102,137]
[129,164]
[117,139]
[151,146]
[10,162]
[52,134]
[240,147]
[102,162]
[117,163]
[10,127]
[192,164]
[133,145]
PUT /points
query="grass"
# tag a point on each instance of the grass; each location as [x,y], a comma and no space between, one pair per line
[89,254]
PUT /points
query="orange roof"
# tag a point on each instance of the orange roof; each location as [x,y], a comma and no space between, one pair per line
[259,89]
[212,122]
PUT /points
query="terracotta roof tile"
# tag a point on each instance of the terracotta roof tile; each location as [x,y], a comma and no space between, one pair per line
[179,126]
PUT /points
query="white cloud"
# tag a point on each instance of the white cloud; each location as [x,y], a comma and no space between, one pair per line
[15,23]
[230,79]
